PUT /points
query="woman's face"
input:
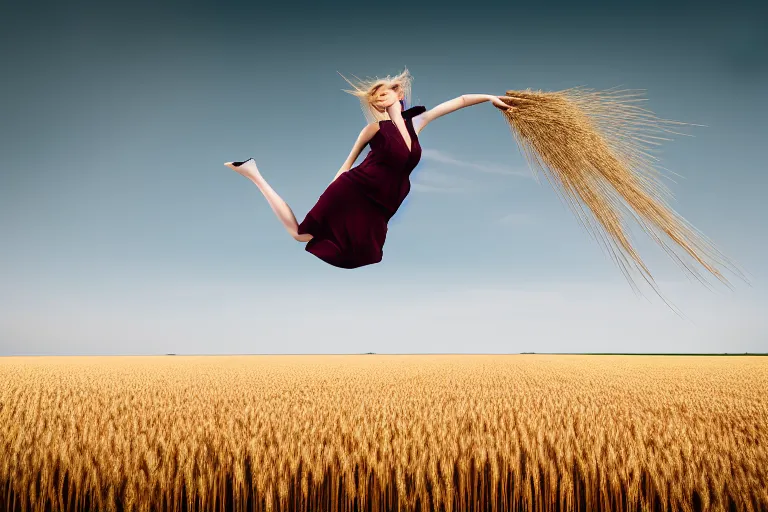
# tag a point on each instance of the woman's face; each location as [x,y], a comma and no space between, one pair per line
[386,96]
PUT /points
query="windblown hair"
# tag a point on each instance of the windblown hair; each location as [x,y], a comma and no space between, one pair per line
[365,90]
[594,147]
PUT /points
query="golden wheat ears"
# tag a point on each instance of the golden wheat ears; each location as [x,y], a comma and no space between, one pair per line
[594,147]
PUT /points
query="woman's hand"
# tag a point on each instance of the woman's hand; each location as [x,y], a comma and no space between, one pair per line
[496,100]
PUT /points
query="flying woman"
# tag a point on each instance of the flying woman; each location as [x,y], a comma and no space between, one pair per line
[347,227]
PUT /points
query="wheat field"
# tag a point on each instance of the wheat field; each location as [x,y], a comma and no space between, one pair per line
[384,432]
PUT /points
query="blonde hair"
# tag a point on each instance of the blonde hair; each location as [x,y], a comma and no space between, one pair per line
[365,89]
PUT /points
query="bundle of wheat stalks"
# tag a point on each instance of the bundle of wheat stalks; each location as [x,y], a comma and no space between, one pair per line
[595,146]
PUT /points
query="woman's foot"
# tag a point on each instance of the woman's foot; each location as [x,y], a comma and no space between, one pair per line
[247,168]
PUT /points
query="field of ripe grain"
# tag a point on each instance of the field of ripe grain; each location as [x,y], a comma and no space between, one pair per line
[381,432]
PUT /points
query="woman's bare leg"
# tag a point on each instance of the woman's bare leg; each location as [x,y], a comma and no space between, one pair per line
[280,207]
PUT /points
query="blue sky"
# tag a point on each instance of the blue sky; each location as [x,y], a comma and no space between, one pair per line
[123,233]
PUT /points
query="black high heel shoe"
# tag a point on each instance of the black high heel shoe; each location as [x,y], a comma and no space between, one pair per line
[237,164]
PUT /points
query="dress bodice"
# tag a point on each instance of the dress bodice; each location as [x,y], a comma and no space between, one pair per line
[383,176]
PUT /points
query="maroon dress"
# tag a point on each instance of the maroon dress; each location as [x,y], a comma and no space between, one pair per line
[349,222]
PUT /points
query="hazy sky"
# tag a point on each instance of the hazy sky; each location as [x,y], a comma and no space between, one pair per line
[121,231]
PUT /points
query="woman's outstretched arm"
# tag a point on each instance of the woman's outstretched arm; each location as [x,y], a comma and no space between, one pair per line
[465,100]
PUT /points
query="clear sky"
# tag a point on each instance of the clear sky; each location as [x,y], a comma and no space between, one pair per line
[121,232]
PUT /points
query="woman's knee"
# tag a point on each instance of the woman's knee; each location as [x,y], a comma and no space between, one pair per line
[306,237]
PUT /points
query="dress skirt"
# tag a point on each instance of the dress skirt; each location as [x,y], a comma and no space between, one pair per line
[348,229]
